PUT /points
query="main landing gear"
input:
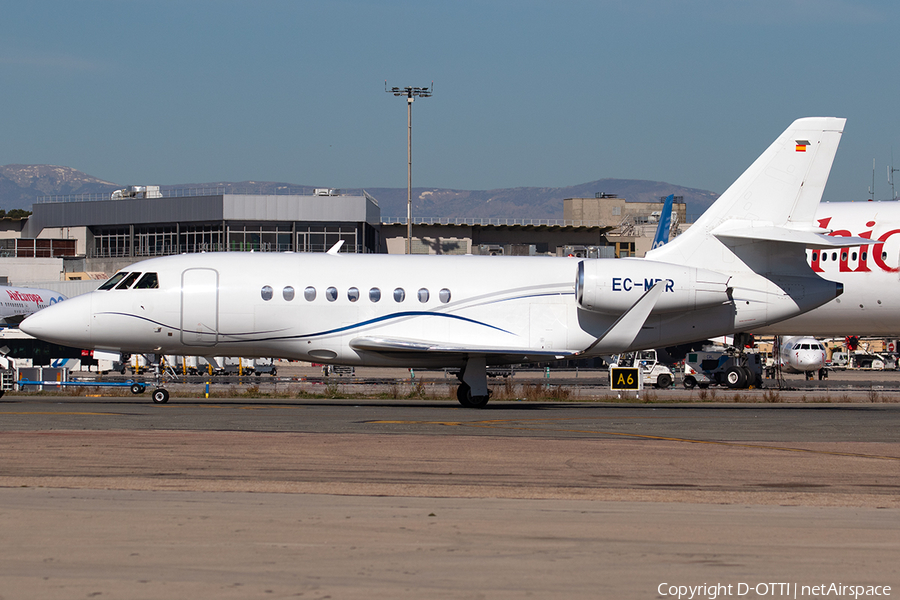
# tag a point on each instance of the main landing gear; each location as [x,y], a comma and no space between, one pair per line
[473,391]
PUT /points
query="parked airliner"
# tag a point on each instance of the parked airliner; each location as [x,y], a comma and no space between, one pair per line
[16,303]
[801,354]
[741,266]
[869,273]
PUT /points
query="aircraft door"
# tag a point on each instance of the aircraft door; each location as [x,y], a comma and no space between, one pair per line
[200,307]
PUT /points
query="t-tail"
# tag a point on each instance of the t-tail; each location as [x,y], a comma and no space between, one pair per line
[765,220]
[742,264]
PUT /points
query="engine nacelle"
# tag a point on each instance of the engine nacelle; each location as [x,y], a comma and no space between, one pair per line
[612,286]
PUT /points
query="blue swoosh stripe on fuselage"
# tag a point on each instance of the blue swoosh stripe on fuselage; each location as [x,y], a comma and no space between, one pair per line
[316,334]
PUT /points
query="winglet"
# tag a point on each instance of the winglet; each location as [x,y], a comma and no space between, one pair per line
[334,249]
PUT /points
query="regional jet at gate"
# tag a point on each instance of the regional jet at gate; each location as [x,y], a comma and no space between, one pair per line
[798,354]
[740,267]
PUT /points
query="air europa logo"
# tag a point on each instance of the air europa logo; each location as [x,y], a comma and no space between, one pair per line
[20,297]
[863,265]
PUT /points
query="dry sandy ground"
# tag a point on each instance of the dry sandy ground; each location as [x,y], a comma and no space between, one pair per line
[215,514]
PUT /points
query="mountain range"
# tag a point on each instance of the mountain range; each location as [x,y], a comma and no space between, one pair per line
[21,185]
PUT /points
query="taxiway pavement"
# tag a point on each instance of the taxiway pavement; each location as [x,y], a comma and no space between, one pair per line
[116,497]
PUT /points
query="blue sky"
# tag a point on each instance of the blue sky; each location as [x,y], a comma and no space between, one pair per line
[526,92]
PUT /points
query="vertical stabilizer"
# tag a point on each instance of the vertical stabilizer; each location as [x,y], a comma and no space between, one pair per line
[665,223]
[780,191]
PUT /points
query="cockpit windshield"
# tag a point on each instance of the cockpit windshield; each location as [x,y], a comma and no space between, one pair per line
[111,283]
[148,281]
[132,277]
[124,280]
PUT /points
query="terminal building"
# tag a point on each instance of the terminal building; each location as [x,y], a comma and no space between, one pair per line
[91,237]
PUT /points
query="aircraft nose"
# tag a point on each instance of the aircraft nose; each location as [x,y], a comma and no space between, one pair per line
[67,323]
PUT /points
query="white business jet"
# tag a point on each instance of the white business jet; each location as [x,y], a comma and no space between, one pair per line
[741,266]
[16,303]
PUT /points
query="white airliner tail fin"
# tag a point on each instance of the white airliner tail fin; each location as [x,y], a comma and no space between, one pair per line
[776,196]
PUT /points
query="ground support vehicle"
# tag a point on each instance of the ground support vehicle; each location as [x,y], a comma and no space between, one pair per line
[653,372]
[737,370]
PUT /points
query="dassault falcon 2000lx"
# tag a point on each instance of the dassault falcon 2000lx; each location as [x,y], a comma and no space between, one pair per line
[741,266]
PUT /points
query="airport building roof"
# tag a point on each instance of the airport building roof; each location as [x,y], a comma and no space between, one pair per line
[195,206]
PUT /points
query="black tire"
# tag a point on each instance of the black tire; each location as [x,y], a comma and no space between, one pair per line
[664,381]
[703,386]
[478,401]
[735,378]
[137,388]
[274,372]
[689,382]
[462,394]
[160,396]
[465,397]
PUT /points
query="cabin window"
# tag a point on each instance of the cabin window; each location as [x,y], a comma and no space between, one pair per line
[128,281]
[423,295]
[815,256]
[148,282]
[331,294]
[309,293]
[444,295]
[843,256]
[399,295]
[834,256]
[353,294]
[113,281]
[864,255]
[266,292]
[884,256]
[288,293]
[853,256]
[374,294]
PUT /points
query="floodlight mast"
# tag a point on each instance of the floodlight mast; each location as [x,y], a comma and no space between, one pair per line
[411,94]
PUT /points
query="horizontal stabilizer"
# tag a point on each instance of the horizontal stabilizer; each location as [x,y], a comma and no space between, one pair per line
[808,239]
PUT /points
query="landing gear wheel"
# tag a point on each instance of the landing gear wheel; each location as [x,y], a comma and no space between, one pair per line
[465,397]
[735,378]
[160,396]
[137,388]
